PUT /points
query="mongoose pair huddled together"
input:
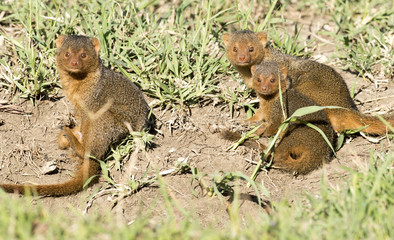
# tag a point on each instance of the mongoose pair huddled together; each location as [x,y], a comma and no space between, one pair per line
[303,83]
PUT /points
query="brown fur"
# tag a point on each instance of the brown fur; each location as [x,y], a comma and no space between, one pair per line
[317,81]
[105,102]
[301,149]
[265,82]
[244,49]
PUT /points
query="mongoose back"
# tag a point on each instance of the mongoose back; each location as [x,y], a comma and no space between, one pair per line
[317,81]
[105,103]
[301,149]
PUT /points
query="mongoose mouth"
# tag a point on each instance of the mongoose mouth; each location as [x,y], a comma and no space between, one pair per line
[74,69]
[243,63]
[265,92]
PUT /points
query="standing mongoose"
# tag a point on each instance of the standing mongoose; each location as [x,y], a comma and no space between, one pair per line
[317,81]
[301,149]
[105,103]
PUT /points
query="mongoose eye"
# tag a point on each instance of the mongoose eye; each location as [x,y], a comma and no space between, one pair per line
[83,55]
[259,80]
[272,80]
[67,54]
[235,49]
[251,49]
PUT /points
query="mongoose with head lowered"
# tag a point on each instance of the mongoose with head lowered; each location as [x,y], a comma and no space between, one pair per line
[301,149]
[105,103]
[317,81]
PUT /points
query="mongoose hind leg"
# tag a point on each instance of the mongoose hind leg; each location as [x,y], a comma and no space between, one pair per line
[62,140]
[74,142]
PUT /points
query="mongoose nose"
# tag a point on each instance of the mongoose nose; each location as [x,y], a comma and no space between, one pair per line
[74,63]
[241,58]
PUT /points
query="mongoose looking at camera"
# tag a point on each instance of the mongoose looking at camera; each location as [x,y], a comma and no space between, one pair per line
[107,104]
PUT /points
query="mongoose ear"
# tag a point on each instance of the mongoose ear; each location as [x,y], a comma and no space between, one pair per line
[96,44]
[226,38]
[253,69]
[60,40]
[283,70]
[262,37]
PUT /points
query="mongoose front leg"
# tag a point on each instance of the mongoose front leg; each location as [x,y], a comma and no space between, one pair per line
[257,117]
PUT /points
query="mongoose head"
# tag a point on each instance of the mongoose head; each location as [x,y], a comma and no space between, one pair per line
[266,78]
[244,48]
[77,54]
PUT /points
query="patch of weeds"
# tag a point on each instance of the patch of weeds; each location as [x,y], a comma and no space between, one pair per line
[362,207]
[358,209]
[365,31]
[27,65]
[223,183]
[291,44]
[239,99]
